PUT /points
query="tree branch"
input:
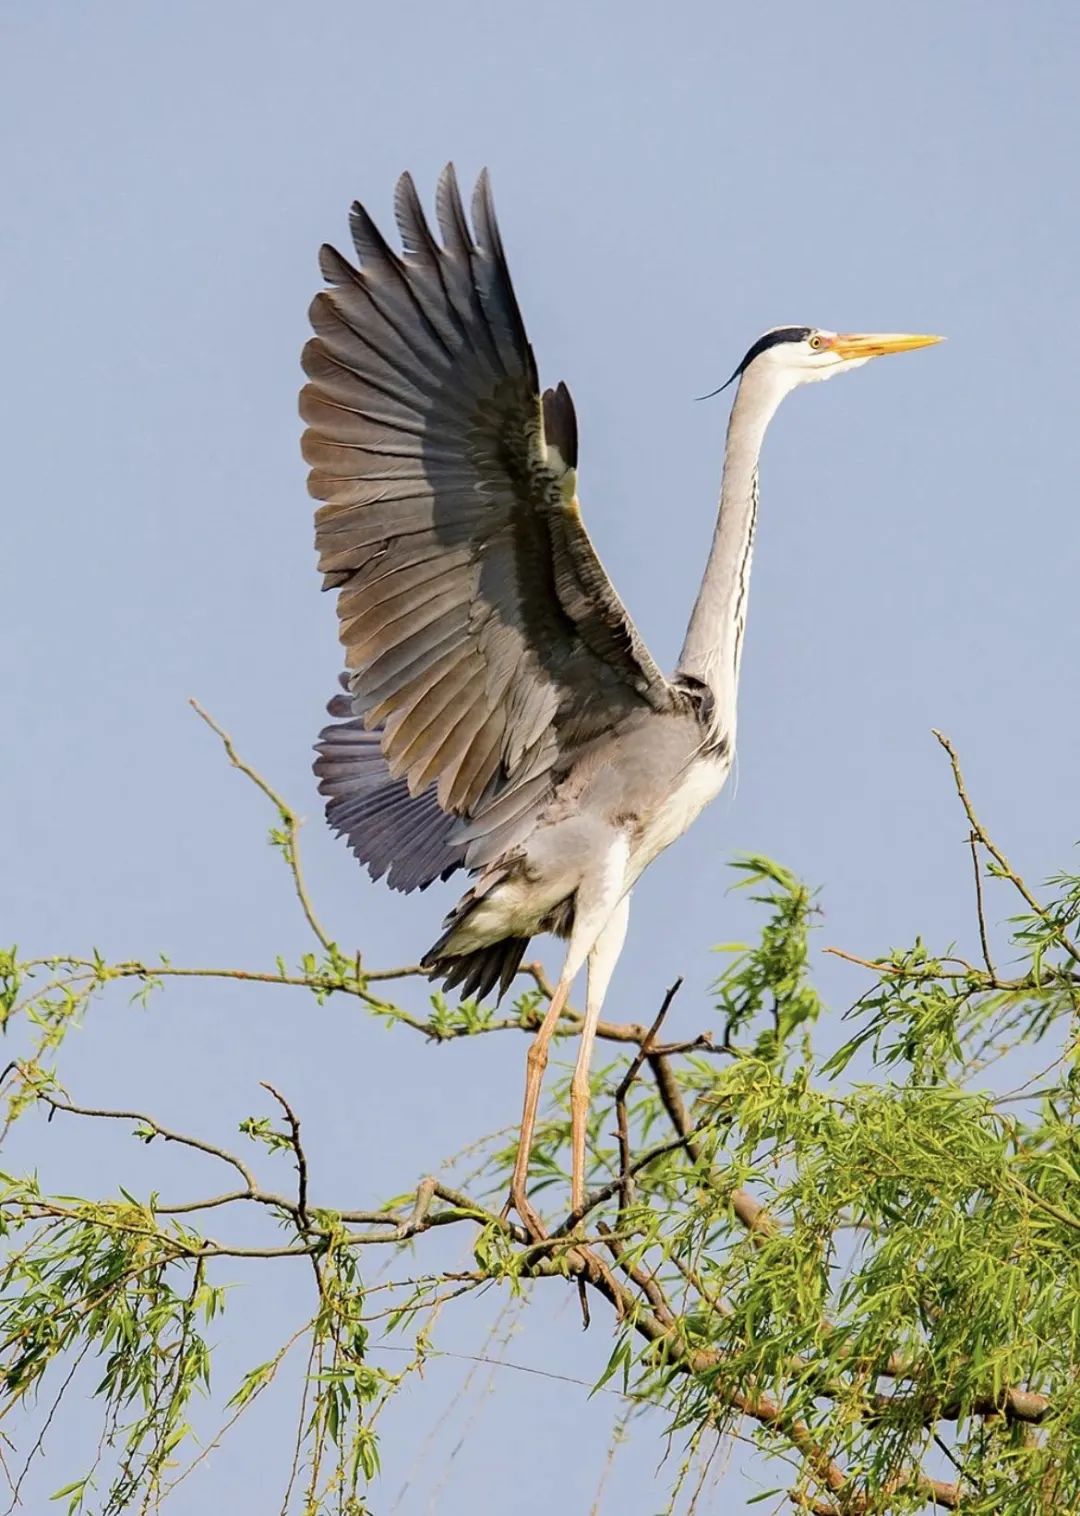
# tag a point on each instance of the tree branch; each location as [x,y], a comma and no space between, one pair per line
[55,1103]
[749,1211]
[90,974]
[984,940]
[1017,1404]
[983,837]
[625,1084]
[289,820]
[301,1159]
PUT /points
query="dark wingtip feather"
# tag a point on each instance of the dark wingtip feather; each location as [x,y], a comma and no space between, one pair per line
[405,188]
[334,268]
[451,215]
[411,221]
[483,214]
[560,423]
[369,242]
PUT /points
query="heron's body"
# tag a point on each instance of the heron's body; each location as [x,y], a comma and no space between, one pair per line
[629,796]
[502,716]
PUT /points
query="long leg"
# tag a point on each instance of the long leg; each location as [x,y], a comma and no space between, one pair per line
[602,961]
[597,897]
[535,1064]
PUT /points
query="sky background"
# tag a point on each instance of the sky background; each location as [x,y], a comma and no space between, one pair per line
[671,181]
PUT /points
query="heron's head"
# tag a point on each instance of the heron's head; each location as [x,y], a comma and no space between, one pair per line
[789,356]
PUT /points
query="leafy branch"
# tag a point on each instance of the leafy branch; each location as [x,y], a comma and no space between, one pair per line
[877,1274]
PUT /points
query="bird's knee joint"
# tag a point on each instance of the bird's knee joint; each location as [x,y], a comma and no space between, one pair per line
[537,1058]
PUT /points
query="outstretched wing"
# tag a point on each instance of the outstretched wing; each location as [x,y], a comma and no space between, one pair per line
[483,638]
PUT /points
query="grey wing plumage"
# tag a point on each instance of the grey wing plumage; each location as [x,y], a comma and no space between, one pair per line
[408,838]
[484,641]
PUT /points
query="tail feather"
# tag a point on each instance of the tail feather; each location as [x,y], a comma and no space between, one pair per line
[477,973]
[478,970]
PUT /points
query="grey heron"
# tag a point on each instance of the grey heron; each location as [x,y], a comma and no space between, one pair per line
[501,713]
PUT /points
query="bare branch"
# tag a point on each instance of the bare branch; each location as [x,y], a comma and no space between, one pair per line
[982,836]
[55,1103]
[297,1147]
[984,940]
[289,820]
[614,1186]
[646,1281]
[633,1069]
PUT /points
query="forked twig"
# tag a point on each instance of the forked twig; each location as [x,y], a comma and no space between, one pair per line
[983,837]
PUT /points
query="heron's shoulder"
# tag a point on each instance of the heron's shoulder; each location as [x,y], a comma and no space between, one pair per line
[693,697]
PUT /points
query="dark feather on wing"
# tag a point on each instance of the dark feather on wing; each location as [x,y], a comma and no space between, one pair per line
[484,642]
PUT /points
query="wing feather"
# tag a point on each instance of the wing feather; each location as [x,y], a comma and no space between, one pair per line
[483,637]
[387,613]
[404,698]
[417,732]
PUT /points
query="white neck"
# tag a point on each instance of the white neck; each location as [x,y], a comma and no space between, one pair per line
[712,651]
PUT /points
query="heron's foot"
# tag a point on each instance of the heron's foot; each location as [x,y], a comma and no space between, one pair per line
[518,1200]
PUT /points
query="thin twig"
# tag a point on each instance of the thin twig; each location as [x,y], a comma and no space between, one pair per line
[95,975]
[749,1211]
[301,1422]
[165,1133]
[984,941]
[297,1147]
[694,1279]
[39,1442]
[215,1442]
[422,1454]
[289,820]
[613,1186]
[963,970]
[645,1280]
[622,1123]
[999,857]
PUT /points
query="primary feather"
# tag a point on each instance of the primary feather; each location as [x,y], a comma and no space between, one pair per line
[486,648]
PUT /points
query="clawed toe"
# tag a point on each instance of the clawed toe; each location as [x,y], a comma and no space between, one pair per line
[518,1201]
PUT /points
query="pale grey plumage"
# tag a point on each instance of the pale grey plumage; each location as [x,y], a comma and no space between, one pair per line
[485,643]
[502,713]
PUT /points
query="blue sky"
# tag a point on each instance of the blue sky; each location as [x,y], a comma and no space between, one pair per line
[670,181]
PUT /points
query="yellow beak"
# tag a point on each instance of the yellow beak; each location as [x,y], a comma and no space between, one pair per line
[877,344]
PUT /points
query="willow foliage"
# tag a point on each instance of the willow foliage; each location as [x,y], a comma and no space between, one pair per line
[870,1262]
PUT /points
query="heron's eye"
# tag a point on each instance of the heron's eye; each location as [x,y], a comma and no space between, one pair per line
[815,343]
